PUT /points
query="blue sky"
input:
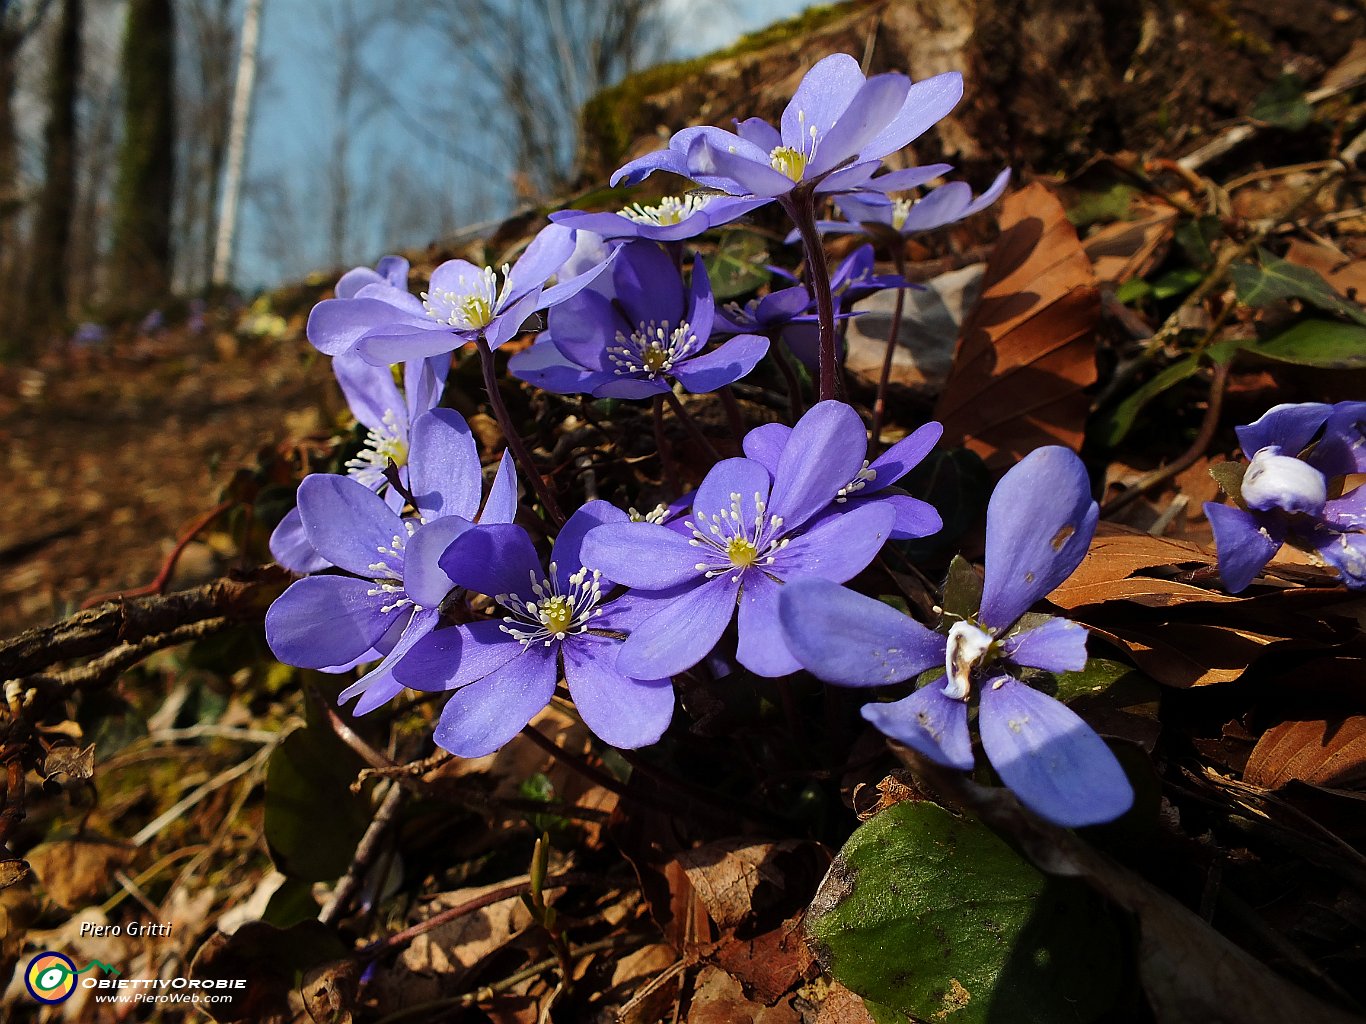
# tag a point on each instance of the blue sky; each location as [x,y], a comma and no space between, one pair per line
[408,182]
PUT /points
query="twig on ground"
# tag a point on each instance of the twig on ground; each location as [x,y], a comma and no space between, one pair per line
[366,851]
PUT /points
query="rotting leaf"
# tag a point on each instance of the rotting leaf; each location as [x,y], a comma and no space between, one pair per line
[729,876]
[936,917]
[1027,351]
[1283,104]
[13,871]
[73,762]
[1325,752]
[1116,554]
[1346,275]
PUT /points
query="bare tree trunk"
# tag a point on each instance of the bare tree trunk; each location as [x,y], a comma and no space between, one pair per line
[47,294]
[237,145]
[140,265]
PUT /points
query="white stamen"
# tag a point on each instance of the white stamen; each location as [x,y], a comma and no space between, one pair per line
[553,615]
[471,306]
[653,348]
[388,442]
[669,211]
[862,479]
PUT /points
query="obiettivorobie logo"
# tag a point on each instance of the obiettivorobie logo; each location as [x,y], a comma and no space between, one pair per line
[51,977]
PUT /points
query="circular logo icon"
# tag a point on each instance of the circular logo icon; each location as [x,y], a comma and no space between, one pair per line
[51,977]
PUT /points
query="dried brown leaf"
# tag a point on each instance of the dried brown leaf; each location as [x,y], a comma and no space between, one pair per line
[76,872]
[1116,554]
[1132,248]
[1028,350]
[1323,752]
[12,872]
[75,762]
[727,876]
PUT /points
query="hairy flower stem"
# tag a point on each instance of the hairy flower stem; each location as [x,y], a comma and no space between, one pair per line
[692,426]
[801,208]
[880,402]
[734,416]
[795,405]
[514,440]
[666,462]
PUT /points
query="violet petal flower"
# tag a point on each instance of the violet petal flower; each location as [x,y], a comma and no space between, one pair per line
[385,324]
[914,518]
[747,540]
[1295,453]
[1040,521]
[671,219]
[392,595]
[939,207]
[832,136]
[633,345]
[504,673]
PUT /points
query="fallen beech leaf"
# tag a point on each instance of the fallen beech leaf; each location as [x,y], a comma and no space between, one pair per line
[1325,753]
[841,1006]
[1115,555]
[1027,351]
[77,872]
[1187,655]
[767,966]
[718,999]
[728,875]
[1131,248]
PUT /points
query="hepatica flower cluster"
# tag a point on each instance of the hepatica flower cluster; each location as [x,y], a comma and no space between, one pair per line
[425,569]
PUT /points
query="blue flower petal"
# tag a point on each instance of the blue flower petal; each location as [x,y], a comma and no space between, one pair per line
[625,712]
[847,638]
[929,723]
[484,715]
[1040,521]
[1052,760]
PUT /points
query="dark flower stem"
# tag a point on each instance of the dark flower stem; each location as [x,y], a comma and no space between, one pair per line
[692,426]
[514,440]
[734,416]
[666,462]
[795,405]
[880,403]
[801,208]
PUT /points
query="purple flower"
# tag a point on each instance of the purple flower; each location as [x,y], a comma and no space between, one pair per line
[853,280]
[751,533]
[832,137]
[633,345]
[671,219]
[1296,452]
[375,315]
[946,204]
[504,670]
[377,403]
[393,587]
[1040,521]
[914,518]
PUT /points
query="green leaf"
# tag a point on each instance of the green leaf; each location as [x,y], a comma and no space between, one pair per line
[1132,290]
[962,589]
[1102,205]
[1326,344]
[1277,279]
[1102,677]
[1115,426]
[1284,105]
[1229,477]
[737,266]
[1177,282]
[313,821]
[935,917]
[1196,239]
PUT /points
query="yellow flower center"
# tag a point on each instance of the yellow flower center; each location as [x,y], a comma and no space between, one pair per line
[788,161]
[654,358]
[477,311]
[900,208]
[557,614]
[741,552]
